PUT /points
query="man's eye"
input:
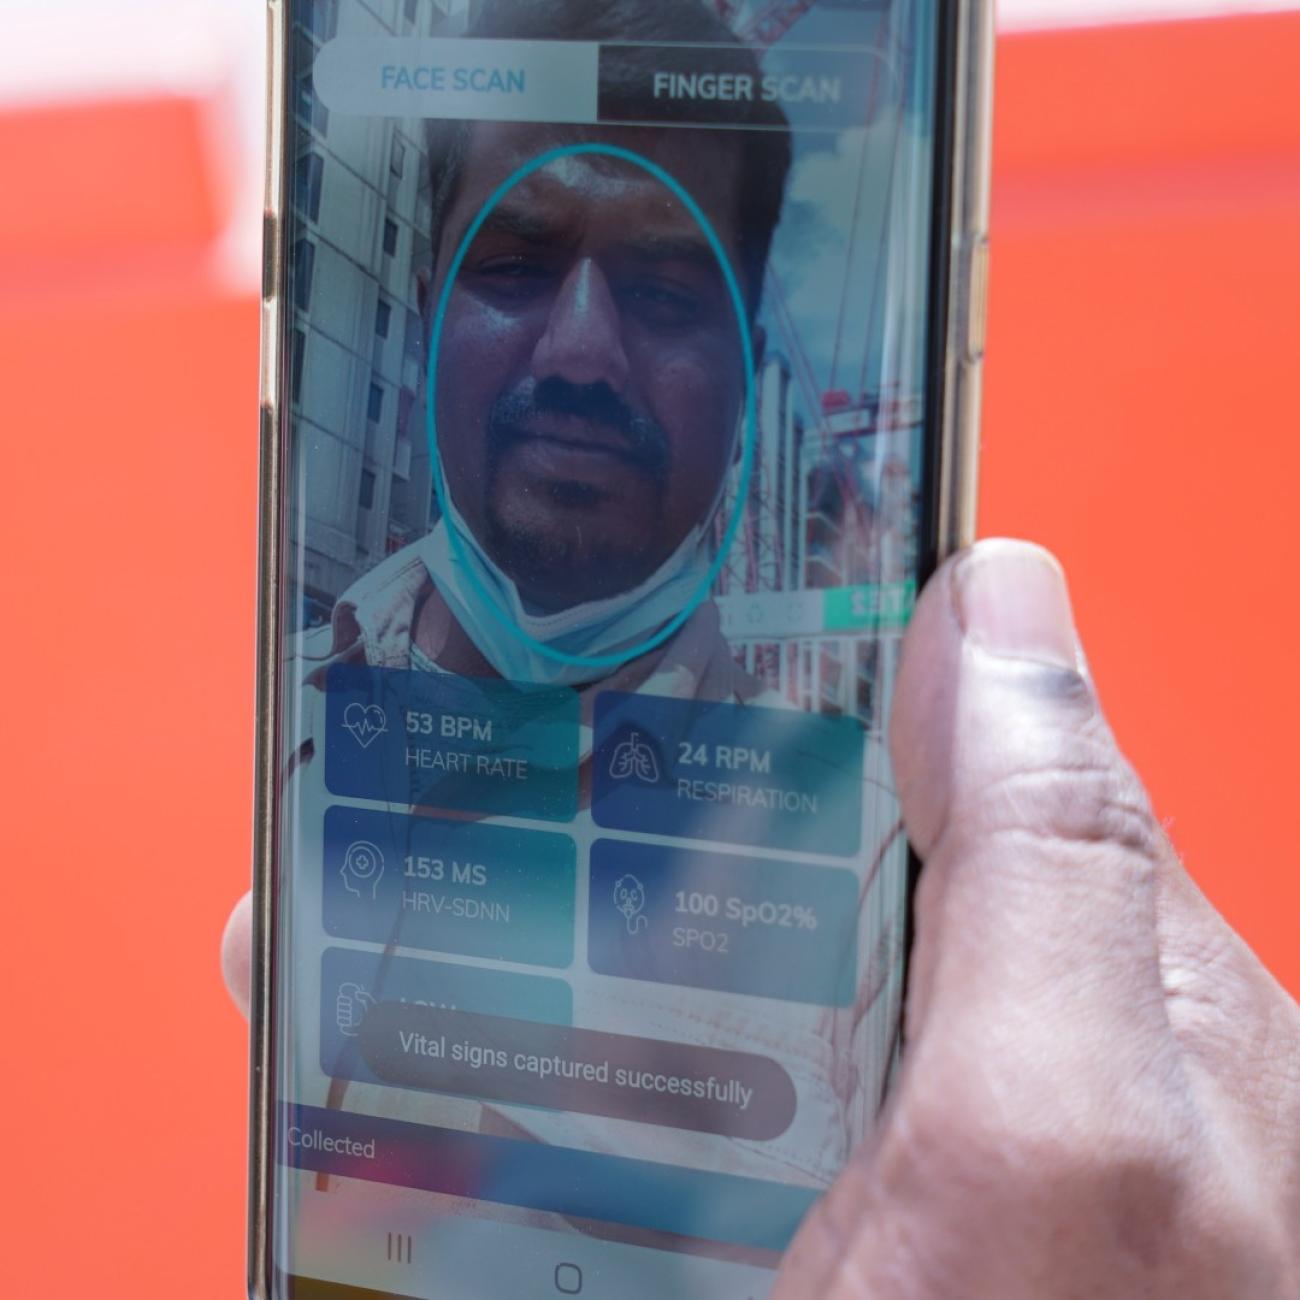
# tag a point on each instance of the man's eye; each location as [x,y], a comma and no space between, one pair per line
[511,276]
[512,268]
[661,305]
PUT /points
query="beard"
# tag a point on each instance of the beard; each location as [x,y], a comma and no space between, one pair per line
[566,544]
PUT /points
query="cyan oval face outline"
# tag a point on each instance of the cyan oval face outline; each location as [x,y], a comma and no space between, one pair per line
[748,434]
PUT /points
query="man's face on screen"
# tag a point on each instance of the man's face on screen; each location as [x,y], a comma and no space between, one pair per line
[590,373]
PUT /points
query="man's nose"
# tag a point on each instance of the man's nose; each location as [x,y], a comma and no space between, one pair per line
[583,339]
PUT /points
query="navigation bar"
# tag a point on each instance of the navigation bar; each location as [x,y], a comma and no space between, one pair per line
[560,1180]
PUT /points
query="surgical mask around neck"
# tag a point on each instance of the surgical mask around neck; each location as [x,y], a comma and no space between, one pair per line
[471,582]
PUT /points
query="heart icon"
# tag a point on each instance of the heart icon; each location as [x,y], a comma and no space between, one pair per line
[366,722]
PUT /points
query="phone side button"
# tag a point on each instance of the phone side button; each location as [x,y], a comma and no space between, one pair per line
[978,300]
[269,252]
[269,370]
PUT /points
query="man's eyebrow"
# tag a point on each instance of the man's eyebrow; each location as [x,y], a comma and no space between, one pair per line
[520,223]
[670,248]
[503,220]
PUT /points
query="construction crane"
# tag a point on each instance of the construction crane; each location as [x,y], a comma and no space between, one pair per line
[797,541]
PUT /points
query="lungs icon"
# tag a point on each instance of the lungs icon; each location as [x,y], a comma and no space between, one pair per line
[634,758]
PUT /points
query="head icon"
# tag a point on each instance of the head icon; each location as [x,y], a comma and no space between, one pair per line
[362,869]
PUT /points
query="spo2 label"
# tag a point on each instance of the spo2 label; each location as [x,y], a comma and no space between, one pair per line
[724,921]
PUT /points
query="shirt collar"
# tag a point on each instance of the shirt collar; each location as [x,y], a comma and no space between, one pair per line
[374,619]
[377,613]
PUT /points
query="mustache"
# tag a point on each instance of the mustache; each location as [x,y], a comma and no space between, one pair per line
[596,404]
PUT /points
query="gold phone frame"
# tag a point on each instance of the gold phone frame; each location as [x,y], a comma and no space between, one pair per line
[969,137]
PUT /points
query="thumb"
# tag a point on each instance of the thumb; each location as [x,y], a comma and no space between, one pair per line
[236,953]
[1036,1025]
[1039,892]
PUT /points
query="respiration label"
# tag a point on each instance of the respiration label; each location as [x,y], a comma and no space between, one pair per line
[729,772]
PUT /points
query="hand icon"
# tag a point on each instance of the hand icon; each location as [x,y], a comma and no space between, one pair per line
[350,1008]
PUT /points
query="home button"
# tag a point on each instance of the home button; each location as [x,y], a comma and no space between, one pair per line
[568,1279]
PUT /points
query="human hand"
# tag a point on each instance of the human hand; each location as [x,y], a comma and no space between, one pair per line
[1101,1091]
[1100,1094]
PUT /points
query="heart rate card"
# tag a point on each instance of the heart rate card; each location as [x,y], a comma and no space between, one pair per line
[454,743]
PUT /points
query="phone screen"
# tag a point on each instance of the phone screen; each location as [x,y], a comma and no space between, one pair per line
[608,484]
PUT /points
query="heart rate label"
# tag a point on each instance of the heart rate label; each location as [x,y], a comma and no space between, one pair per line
[451,743]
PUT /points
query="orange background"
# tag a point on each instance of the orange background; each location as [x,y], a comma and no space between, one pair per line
[1141,419]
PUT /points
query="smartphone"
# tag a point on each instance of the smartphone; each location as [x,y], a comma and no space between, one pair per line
[620,381]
